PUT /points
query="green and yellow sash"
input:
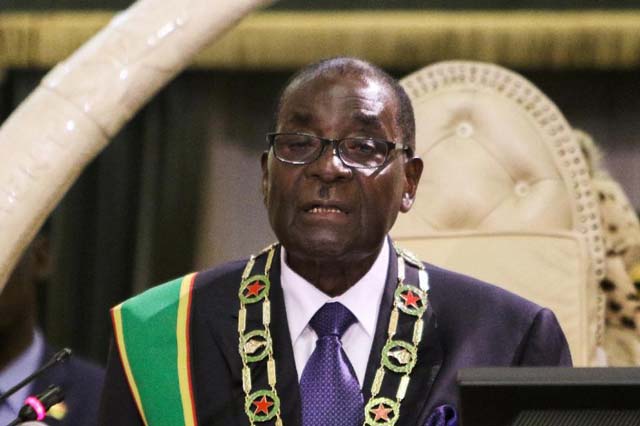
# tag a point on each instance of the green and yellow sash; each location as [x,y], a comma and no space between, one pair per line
[152,335]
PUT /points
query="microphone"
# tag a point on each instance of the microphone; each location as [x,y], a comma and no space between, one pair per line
[36,407]
[57,358]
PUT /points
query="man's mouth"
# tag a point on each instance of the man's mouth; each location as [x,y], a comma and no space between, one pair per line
[325,210]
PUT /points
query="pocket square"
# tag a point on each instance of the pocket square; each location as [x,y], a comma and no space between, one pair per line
[444,415]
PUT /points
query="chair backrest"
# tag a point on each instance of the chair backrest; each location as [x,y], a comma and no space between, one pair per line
[505,194]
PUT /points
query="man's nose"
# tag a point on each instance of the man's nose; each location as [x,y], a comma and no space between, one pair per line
[329,167]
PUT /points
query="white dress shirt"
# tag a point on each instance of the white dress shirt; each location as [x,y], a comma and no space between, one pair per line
[302,300]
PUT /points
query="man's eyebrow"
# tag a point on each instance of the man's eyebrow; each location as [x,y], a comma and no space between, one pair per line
[301,118]
[368,120]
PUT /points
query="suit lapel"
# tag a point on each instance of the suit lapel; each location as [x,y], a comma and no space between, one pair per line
[429,354]
[287,386]
[380,337]
[286,374]
[423,375]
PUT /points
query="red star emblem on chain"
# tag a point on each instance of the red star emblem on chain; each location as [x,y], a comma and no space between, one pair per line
[381,412]
[411,299]
[262,406]
[255,289]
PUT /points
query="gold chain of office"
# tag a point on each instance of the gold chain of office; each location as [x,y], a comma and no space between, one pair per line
[398,356]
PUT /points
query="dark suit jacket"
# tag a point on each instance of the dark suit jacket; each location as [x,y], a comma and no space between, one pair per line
[81,382]
[468,323]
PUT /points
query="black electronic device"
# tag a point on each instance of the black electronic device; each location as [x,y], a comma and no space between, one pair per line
[36,406]
[549,396]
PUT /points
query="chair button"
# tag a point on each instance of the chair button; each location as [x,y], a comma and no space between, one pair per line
[464,129]
[522,189]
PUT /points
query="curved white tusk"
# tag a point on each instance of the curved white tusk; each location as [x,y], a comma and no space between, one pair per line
[86,99]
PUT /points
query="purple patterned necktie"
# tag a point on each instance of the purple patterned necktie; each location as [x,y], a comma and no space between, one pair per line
[329,388]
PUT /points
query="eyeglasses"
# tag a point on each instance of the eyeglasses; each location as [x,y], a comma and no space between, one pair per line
[360,152]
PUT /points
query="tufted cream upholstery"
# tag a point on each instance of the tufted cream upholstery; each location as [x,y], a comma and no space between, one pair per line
[505,194]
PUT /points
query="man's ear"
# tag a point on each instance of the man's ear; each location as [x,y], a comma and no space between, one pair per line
[413,171]
[264,161]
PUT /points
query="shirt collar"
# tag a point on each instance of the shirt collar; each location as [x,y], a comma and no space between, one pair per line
[26,363]
[302,300]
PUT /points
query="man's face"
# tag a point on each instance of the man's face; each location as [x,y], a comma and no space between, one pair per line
[326,210]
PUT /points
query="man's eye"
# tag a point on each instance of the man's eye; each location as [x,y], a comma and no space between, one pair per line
[300,145]
[367,148]
[362,147]
[294,142]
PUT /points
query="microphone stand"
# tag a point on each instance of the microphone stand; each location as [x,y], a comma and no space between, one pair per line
[57,358]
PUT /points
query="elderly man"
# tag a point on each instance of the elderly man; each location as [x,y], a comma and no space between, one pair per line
[334,325]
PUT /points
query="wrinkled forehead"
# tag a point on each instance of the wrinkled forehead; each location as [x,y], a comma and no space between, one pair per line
[366,98]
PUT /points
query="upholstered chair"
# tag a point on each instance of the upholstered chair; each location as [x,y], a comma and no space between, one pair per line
[506,196]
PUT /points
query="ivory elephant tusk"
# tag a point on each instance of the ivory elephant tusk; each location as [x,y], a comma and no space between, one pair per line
[85,100]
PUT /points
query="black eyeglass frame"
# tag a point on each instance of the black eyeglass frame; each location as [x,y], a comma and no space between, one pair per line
[392,146]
